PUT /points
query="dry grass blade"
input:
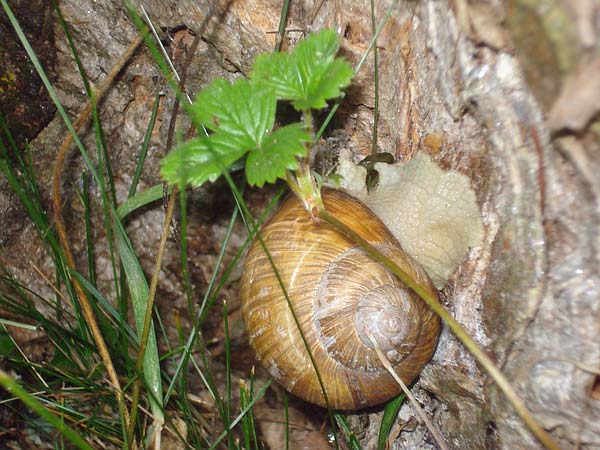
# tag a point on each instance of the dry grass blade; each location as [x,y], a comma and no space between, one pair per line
[62,233]
[388,366]
[499,378]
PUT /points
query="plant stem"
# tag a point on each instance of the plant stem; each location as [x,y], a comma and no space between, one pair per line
[281,29]
[456,327]
[301,181]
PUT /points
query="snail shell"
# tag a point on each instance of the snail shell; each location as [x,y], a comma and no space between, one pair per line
[335,290]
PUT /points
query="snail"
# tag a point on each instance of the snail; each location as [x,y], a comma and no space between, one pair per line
[335,290]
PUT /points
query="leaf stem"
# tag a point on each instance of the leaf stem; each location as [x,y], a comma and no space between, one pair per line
[301,181]
[456,327]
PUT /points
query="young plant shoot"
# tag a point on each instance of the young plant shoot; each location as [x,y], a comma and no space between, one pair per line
[241,119]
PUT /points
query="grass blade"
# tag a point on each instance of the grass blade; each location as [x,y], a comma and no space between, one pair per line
[139,291]
[351,438]
[145,145]
[12,386]
[244,411]
[140,199]
[388,420]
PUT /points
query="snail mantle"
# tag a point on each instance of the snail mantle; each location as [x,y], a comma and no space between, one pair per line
[433,213]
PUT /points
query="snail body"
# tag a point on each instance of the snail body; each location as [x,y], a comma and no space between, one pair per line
[335,290]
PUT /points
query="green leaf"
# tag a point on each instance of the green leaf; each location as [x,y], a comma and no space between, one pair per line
[278,153]
[329,85]
[309,75]
[200,160]
[139,291]
[388,420]
[278,72]
[245,111]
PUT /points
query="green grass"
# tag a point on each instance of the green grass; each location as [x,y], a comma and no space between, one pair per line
[70,396]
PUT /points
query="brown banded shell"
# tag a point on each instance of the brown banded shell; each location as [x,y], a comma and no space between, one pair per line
[335,290]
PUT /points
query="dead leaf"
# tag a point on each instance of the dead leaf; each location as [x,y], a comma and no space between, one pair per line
[304,433]
[482,22]
[175,440]
[579,99]
[585,13]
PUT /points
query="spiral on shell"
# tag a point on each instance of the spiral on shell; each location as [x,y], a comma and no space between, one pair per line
[335,290]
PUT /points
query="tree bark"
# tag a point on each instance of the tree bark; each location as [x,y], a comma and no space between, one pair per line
[450,84]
